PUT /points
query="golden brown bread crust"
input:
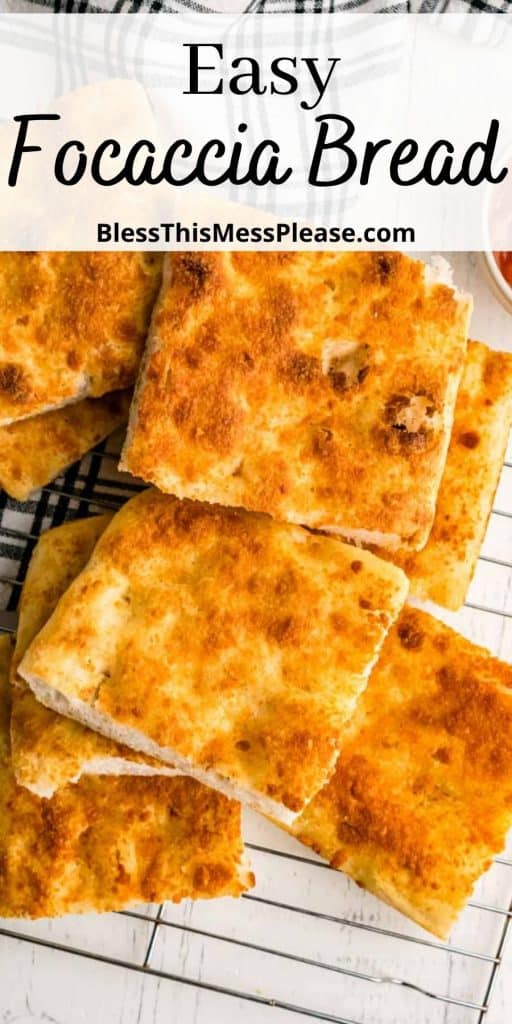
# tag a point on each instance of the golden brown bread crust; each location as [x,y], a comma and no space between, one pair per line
[421,798]
[236,642]
[443,570]
[6,652]
[48,750]
[71,325]
[36,450]
[267,377]
[107,843]
[59,555]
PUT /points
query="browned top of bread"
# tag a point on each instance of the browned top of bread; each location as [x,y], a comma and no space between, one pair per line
[71,325]
[443,570]
[107,843]
[47,749]
[421,798]
[34,451]
[236,645]
[317,387]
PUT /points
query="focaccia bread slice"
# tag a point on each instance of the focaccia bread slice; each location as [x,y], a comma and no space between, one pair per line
[34,451]
[107,843]
[443,570]
[47,749]
[220,641]
[421,798]
[72,325]
[316,387]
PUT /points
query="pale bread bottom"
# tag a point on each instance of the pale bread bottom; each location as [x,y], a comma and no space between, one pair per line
[390,541]
[99,722]
[105,766]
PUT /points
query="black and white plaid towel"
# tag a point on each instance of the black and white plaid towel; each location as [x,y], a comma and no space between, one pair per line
[267,6]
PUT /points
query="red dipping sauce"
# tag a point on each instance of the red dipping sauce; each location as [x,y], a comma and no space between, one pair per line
[504,262]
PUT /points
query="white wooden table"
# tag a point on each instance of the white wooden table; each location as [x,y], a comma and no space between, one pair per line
[43,985]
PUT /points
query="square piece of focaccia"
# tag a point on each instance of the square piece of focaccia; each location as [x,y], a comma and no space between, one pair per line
[316,387]
[421,798]
[47,749]
[72,325]
[443,570]
[107,843]
[34,451]
[221,642]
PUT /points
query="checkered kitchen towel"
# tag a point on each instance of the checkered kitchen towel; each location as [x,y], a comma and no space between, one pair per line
[87,488]
[266,6]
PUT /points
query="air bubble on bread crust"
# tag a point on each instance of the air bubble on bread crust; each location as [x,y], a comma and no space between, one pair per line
[346,363]
[333,350]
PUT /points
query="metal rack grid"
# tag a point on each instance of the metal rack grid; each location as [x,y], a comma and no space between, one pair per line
[93,486]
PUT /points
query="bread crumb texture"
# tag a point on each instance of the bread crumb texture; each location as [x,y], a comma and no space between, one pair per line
[107,843]
[48,750]
[71,325]
[239,643]
[421,799]
[316,387]
[443,570]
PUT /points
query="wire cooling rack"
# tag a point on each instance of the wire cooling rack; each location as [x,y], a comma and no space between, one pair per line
[306,942]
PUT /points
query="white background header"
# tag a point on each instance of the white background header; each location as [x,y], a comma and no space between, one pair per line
[395,86]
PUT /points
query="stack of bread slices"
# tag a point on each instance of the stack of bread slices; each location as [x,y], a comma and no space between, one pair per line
[321,446]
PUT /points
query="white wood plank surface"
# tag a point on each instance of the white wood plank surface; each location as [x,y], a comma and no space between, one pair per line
[41,985]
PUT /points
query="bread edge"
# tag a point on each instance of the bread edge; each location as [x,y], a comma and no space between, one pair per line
[100,722]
